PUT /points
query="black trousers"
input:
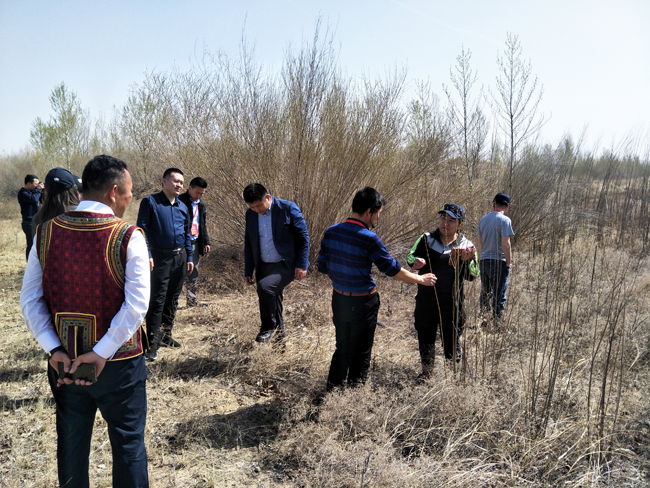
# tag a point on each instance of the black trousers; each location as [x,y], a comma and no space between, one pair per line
[355,320]
[449,318]
[121,397]
[167,279]
[272,278]
[29,236]
[193,277]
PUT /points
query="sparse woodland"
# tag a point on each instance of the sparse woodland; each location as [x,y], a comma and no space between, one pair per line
[558,398]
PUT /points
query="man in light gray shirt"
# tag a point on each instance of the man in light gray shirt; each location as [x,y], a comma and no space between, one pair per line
[494,231]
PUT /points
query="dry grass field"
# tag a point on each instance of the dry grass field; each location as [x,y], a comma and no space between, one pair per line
[559,398]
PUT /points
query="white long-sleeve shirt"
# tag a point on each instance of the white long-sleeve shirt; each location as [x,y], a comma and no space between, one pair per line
[137,284]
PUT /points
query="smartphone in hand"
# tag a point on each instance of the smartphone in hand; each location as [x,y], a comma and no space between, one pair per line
[85,371]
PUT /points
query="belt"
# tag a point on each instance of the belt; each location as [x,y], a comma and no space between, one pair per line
[178,250]
[352,294]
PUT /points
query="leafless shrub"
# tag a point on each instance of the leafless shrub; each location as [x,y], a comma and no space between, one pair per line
[309,135]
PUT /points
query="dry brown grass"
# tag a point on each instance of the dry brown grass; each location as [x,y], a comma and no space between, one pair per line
[224,411]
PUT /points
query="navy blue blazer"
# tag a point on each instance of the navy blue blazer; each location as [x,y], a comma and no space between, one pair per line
[290,236]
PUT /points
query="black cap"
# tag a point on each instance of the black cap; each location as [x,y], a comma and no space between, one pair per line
[454,211]
[59,180]
[502,199]
[78,182]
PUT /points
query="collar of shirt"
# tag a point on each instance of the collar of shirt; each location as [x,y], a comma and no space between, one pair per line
[268,210]
[352,220]
[164,199]
[93,206]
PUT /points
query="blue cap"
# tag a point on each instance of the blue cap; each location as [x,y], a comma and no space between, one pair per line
[59,180]
[454,211]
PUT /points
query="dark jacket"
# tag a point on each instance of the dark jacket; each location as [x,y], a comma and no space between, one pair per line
[29,202]
[290,236]
[436,257]
[203,239]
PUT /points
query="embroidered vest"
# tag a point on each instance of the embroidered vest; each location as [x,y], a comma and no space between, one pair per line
[83,257]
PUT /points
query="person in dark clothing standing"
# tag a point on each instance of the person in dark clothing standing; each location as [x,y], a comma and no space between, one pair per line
[276,247]
[198,233]
[166,223]
[347,252]
[29,198]
[452,258]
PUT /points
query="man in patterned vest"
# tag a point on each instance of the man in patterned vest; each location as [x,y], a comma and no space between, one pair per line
[84,297]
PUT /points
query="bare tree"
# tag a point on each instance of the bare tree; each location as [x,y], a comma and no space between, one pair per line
[141,123]
[516,101]
[427,136]
[468,124]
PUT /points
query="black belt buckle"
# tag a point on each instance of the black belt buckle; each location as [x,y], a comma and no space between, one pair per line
[173,252]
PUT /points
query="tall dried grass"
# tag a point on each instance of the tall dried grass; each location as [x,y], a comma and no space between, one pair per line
[558,398]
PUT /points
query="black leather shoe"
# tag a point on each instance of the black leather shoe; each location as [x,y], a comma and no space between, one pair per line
[193,302]
[150,356]
[169,342]
[264,336]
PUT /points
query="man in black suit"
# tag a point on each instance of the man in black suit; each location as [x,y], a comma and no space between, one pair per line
[276,246]
[199,233]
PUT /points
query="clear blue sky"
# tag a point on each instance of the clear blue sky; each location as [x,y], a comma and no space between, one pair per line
[592,56]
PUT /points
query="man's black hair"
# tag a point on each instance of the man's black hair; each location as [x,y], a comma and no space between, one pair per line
[367,198]
[30,178]
[199,182]
[101,173]
[254,192]
[168,172]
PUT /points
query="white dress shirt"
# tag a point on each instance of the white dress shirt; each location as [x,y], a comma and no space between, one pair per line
[126,321]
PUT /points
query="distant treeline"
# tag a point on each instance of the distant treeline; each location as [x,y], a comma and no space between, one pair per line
[313,135]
